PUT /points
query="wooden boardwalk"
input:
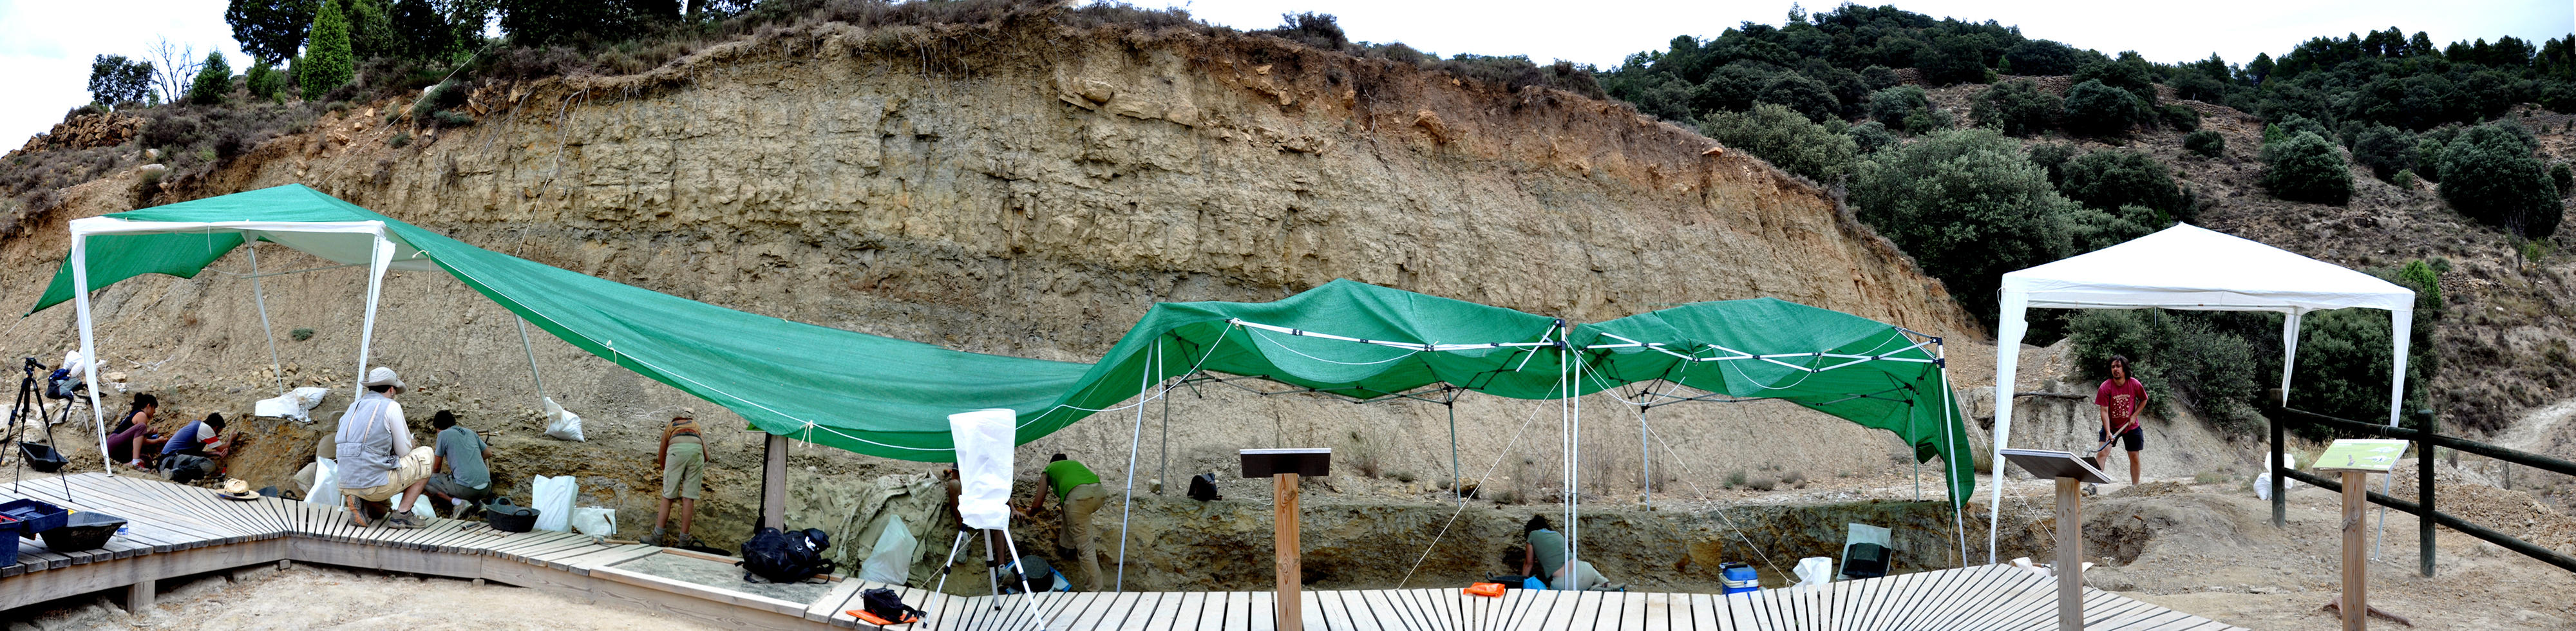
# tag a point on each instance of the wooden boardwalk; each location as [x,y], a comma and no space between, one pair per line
[177,530]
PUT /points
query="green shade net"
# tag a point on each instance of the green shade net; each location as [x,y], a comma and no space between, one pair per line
[891,398]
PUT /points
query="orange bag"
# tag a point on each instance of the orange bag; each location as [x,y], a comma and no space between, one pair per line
[864,616]
[1488,590]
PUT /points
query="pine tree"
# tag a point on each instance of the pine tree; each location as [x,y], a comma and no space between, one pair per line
[326,64]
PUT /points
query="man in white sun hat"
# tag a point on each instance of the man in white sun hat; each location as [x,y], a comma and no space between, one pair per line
[377,459]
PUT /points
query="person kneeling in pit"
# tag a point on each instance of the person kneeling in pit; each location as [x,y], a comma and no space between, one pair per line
[377,459]
[460,478]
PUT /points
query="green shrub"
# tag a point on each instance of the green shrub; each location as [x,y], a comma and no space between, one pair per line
[400,140]
[2490,176]
[1786,139]
[2130,74]
[446,95]
[2099,110]
[2404,179]
[2564,177]
[1797,92]
[115,80]
[2386,150]
[327,63]
[214,81]
[2205,142]
[2051,158]
[2179,118]
[2290,125]
[453,118]
[2110,179]
[263,81]
[1902,108]
[2016,107]
[1968,205]
[2042,58]
[300,334]
[1869,137]
[2306,168]
[2186,360]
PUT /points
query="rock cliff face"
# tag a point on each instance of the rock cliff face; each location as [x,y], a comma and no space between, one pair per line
[1026,189]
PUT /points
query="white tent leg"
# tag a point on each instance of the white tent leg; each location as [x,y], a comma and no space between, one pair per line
[89,343]
[260,298]
[2289,350]
[383,257]
[1135,440]
[2401,327]
[1951,469]
[2007,357]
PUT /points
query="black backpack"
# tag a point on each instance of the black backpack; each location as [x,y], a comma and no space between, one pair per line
[882,603]
[785,557]
[1203,487]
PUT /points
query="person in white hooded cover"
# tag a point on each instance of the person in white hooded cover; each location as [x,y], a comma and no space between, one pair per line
[377,458]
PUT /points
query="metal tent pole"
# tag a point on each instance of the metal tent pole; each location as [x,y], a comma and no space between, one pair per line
[260,299]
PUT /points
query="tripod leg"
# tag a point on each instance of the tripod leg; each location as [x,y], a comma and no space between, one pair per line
[992,567]
[952,562]
[1030,595]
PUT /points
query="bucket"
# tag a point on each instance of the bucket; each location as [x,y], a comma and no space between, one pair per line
[1740,578]
[42,458]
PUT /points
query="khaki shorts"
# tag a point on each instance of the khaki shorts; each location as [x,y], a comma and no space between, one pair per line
[414,468]
[684,471]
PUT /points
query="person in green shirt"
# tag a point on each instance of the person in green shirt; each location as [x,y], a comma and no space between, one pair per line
[1082,494]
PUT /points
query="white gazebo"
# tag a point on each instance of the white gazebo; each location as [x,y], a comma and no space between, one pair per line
[2192,268]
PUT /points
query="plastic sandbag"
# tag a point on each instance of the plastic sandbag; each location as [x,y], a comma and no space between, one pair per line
[295,404]
[890,561]
[1813,574]
[563,424]
[553,502]
[326,484]
[2263,481]
[596,522]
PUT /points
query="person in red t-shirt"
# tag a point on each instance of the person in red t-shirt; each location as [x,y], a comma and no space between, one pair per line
[2120,397]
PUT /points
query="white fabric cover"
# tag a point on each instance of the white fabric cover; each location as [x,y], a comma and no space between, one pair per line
[595,521]
[985,448]
[326,484]
[2192,268]
[295,404]
[562,424]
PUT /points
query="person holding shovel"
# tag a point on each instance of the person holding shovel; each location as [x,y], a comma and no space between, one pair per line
[2120,397]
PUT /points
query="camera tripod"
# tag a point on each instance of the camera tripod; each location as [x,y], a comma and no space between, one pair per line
[30,396]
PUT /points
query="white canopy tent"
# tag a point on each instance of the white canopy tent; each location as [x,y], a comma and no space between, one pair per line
[2190,268]
[347,243]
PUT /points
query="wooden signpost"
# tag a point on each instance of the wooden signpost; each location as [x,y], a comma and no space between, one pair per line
[1284,467]
[2356,459]
[2071,472]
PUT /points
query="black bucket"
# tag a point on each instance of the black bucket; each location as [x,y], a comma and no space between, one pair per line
[42,458]
[506,517]
[83,531]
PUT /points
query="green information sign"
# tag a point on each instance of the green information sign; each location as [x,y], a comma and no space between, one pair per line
[2362,454]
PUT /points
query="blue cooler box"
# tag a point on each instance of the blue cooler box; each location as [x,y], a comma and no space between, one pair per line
[1740,578]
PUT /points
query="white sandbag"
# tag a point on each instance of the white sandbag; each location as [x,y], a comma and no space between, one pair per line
[553,502]
[295,404]
[595,521]
[73,361]
[1813,574]
[2263,481]
[419,506]
[326,484]
[890,561]
[562,423]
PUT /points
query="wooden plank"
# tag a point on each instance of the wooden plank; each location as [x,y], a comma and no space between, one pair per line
[1073,606]
[1922,593]
[747,601]
[693,610]
[1264,613]
[606,557]
[1103,612]
[1403,610]
[1212,611]
[192,502]
[181,532]
[821,609]
[1169,610]
[2023,599]
[1967,586]
[1370,609]
[38,587]
[1655,611]
[1706,614]
[1140,611]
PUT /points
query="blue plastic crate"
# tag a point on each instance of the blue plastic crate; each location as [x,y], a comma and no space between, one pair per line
[8,549]
[34,516]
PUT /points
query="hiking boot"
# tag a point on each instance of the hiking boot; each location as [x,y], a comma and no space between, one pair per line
[459,513]
[655,539]
[689,541]
[401,521]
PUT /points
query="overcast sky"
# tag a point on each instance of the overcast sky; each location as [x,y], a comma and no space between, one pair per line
[46,45]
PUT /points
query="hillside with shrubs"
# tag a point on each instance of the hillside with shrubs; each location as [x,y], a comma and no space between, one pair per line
[1974,149]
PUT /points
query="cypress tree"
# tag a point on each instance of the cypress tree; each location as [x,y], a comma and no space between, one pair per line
[326,64]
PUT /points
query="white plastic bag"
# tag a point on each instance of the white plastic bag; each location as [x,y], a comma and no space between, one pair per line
[561,423]
[553,502]
[596,522]
[2263,481]
[890,561]
[295,404]
[326,484]
[1813,574]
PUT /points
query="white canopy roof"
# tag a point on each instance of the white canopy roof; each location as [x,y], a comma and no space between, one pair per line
[2194,268]
[2189,267]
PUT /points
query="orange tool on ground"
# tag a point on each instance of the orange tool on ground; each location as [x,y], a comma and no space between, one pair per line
[1488,590]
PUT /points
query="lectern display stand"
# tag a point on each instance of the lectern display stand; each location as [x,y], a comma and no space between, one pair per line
[2071,473]
[2356,459]
[1284,467]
